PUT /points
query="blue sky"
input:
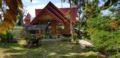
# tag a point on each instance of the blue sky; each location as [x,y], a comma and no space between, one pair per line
[39,4]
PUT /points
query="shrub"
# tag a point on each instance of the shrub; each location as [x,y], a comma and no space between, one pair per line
[105,35]
[106,42]
[9,37]
[114,56]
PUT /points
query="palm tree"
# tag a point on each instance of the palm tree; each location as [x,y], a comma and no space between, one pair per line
[10,14]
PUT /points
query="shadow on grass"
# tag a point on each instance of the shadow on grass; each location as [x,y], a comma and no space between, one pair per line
[51,50]
[7,45]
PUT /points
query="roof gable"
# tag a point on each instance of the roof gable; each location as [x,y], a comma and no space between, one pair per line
[53,11]
[42,15]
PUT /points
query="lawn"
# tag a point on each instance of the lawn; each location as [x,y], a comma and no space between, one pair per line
[47,50]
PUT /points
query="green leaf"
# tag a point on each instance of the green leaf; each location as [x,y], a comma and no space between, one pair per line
[0,3]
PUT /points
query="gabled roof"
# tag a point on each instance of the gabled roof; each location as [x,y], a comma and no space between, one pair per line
[53,11]
[46,12]
[65,11]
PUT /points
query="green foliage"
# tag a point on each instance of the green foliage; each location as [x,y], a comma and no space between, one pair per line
[115,56]
[20,20]
[99,23]
[106,41]
[0,3]
[105,38]
[9,37]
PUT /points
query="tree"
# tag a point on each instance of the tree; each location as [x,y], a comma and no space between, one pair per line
[90,8]
[12,9]
[9,9]
[104,30]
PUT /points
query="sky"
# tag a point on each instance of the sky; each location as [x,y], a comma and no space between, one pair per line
[40,4]
[104,12]
[30,7]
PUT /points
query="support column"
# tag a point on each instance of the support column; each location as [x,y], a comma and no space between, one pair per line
[53,28]
[67,29]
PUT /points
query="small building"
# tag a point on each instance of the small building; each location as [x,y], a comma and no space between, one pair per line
[53,20]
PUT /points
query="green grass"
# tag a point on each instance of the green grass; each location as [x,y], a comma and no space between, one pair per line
[50,50]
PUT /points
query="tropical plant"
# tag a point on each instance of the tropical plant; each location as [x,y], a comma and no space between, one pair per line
[9,37]
[105,35]
[10,11]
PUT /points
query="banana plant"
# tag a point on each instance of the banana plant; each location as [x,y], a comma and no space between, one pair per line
[12,8]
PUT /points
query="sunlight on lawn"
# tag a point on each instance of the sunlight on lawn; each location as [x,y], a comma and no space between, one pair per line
[2,52]
[51,50]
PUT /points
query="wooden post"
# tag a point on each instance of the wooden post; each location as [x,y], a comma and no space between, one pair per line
[53,27]
[71,26]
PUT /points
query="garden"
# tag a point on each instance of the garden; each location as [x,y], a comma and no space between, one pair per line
[96,33]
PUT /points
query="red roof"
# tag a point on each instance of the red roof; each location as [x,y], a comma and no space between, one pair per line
[60,14]
[72,11]
[27,18]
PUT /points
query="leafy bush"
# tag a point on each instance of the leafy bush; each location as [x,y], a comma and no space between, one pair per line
[106,42]
[105,34]
[9,37]
[114,56]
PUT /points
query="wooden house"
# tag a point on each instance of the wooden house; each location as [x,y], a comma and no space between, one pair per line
[55,21]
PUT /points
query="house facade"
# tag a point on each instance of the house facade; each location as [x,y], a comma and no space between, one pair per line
[52,20]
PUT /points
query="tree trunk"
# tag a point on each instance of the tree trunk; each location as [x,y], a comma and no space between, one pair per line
[71,27]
